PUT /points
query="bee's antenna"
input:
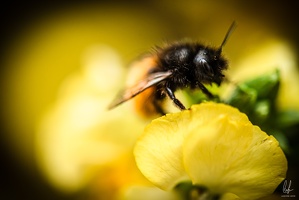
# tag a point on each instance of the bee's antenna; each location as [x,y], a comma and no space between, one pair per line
[229,32]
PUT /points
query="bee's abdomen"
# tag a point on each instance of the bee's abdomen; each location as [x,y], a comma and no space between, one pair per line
[145,103]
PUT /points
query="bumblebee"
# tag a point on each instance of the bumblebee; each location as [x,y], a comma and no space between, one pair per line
[175,66]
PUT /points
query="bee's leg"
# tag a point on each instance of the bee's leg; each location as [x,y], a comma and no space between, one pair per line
[171,95]
[205,91]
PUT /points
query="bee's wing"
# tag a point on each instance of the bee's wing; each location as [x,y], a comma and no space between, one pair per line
[131,92]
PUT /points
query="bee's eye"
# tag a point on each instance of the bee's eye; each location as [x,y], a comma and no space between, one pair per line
[200,57]
[215,57]
[203,53]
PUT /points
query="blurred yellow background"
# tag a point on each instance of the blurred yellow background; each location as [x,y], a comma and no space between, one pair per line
[62,63]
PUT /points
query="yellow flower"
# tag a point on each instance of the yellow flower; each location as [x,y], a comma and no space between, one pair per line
[214,146]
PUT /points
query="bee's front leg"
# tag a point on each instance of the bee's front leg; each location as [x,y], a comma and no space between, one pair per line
[205,91]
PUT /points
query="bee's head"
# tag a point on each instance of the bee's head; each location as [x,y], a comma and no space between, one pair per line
[209,61]
[210,64]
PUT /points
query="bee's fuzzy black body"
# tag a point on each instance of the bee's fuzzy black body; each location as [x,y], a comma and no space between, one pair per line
[175,66]
[191,65]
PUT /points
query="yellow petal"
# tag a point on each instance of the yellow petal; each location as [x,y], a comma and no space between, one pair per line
[158,153]
[215,146]
[226,153]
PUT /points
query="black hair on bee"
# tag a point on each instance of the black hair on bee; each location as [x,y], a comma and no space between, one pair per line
[176,66]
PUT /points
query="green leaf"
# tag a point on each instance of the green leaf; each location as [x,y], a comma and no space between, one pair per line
[243,97]
[261,111]
[256,97]
[266,86]
[287,118]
